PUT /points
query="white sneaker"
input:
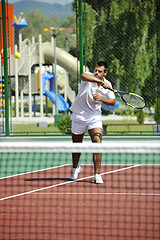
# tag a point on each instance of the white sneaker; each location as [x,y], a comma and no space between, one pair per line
[98,179]
[75,172]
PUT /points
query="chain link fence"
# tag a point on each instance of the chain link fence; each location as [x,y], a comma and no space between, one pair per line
[44,80]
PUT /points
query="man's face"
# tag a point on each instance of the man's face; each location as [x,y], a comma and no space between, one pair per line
[99,72]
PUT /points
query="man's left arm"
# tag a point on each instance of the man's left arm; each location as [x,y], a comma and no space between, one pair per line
[107,101]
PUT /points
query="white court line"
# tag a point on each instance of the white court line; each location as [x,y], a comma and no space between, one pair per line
[40,170]
[64,183]
[89,193]
[20,174]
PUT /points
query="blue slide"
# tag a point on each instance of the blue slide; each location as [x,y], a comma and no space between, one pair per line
[105,107]
[62,105]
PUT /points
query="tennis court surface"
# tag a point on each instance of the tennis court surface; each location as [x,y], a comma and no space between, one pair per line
[38,200]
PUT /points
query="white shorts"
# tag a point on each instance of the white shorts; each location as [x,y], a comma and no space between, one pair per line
[79,126]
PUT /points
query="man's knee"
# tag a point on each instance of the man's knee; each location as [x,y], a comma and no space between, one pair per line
[97,137]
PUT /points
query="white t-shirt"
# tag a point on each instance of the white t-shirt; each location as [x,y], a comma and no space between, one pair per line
[84,105]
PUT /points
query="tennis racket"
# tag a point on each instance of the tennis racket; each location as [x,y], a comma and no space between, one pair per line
[131,99]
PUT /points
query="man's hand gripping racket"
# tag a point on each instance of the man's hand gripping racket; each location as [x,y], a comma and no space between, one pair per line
[131,99]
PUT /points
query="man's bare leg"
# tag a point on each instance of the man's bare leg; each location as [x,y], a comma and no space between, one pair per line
[96,136]
[76,156]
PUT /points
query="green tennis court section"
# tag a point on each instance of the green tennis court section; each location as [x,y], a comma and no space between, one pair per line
[17,163]
[12,163]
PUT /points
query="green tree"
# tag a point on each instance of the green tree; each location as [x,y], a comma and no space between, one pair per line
[157,111]
[125,37]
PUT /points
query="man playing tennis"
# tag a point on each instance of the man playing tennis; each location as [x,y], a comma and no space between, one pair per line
[86,114]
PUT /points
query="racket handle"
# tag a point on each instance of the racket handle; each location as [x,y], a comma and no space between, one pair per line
[111,89]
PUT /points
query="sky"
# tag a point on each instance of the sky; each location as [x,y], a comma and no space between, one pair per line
[63,2]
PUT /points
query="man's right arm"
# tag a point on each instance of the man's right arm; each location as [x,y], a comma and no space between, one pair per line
[91,78]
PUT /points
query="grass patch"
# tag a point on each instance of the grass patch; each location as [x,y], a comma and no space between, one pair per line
[125,127]
[33,129]
[128,130]
[115,129]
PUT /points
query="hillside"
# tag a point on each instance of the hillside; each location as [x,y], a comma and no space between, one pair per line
[61,11]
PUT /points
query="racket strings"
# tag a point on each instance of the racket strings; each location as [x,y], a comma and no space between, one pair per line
[134,100]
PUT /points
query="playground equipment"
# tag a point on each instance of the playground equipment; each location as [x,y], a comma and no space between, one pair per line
[26,72]
[2,101]
[20,22]
[2,109]
[62,104]
[29,81]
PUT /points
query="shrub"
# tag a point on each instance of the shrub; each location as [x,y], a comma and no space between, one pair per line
[157,111]
[125,112]
[140,116]
[65,124]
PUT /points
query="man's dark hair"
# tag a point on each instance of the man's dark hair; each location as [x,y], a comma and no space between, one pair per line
[102,63]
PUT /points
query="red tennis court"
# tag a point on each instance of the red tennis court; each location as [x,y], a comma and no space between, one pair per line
[47,205]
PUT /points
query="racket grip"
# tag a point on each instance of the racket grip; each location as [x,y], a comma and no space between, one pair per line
[111,89]
[107,88]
